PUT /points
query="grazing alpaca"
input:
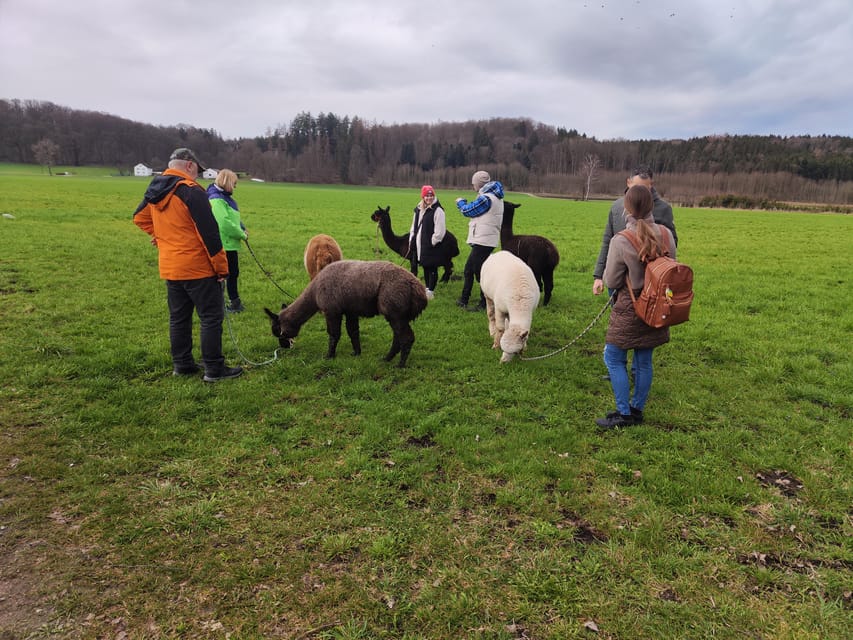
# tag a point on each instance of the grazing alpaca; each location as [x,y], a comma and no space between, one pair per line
[355,289]
[511,296]
[539,253]
[320,251]
[400,244]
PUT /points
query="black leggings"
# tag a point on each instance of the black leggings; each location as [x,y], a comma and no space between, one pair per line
[476,258]
[233,274]
[431,277]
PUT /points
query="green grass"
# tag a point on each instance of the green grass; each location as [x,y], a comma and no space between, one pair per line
[456,498]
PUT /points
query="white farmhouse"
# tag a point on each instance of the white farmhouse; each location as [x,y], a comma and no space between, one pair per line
[142,170]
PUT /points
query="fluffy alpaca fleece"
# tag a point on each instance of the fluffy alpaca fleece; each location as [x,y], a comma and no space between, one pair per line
[354,289]
[320,251]
[511,297]
[538,252]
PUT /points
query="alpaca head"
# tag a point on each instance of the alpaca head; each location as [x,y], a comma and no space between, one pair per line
[281,330]
[380,213]
[513,341]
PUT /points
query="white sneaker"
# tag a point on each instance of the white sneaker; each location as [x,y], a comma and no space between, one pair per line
[430,295]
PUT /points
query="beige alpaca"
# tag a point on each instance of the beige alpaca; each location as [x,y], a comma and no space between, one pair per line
[320,251]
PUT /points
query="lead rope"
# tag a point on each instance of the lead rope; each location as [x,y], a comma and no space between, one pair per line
[581,335]
[266,273]
[231,328]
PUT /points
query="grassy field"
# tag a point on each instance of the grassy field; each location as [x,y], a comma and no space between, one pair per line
[456,498]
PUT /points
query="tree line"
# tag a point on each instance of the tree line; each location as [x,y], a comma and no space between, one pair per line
[523,154]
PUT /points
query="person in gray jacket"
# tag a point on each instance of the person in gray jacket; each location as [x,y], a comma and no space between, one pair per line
[486,214]
[617,218]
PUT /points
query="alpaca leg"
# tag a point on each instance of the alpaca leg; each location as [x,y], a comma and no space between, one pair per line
[490,312]
[548,279]
[396,345]
[500,326]
[448,271]
[405,340]
[354,334]
[333,328]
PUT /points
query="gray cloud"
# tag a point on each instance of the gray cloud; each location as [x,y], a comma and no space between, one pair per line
[628,69]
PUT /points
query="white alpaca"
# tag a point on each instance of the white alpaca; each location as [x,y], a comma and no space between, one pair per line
[511,296]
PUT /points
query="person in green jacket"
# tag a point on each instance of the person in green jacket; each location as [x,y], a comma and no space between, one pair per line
[231,230]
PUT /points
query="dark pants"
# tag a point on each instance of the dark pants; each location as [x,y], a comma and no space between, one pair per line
[205,296]
[476,258]
[233,274]
[431,277]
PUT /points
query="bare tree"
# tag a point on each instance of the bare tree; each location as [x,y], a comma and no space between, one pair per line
[591,163]
[46,152]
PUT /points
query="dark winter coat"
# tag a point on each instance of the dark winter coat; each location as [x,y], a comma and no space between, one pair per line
[427,233]
[626,330]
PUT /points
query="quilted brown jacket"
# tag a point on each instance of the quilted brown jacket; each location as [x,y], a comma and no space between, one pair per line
[624,268]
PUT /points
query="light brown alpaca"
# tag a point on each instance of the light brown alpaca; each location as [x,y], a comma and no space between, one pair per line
[320,251]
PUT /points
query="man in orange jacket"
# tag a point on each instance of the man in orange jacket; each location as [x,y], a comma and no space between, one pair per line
[176,213]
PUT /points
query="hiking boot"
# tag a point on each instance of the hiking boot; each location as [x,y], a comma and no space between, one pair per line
[235,306]
[186,370]
[637,414]
[224,374]
[480,307]
[461,303]
[614,420]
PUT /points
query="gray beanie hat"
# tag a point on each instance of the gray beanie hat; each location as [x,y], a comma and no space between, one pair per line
[479,179]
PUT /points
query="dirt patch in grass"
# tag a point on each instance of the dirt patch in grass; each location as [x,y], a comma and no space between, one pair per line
[784,481]
[421,442]
[22,610]
[584,532]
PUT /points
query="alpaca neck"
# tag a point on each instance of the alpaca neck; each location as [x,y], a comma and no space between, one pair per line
[506,225]
[300,310]
[388,233]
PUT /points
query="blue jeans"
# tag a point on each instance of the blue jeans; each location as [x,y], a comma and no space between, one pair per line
[616,361]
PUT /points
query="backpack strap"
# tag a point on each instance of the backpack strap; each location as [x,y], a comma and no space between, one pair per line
[635,242]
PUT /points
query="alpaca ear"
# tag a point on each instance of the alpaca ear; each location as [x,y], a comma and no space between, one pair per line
[272,315]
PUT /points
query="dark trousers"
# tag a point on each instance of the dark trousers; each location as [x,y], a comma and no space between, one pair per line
[476,258]
[431,277]
[233,274]
[205,296]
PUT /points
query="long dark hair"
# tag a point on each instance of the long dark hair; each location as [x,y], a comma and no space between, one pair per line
[638,204]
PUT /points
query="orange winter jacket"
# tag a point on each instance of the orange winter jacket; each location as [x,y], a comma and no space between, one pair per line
[176,213]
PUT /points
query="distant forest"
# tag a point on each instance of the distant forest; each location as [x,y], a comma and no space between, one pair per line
[526,156]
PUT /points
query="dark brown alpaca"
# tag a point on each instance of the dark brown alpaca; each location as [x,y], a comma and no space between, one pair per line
[356,289]
[539,253]
[400,244]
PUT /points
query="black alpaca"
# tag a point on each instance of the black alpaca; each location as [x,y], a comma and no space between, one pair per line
[400,244]
[539,253]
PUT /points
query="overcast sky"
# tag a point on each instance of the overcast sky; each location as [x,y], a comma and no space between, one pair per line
[608,68]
